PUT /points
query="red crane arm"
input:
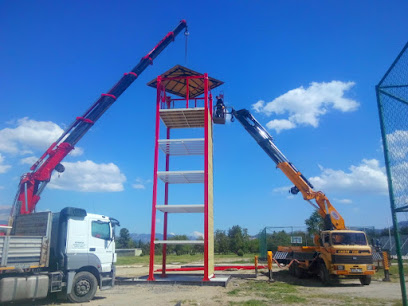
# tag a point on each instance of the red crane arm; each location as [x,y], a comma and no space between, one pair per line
[33,183]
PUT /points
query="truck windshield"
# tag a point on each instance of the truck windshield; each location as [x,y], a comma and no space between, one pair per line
[348,239]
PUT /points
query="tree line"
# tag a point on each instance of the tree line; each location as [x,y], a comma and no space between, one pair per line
[235,240]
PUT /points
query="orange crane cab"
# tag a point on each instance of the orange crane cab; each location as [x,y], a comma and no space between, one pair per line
[338,251]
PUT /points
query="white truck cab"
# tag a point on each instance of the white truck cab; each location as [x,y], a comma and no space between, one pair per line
[92,239]
[71,252]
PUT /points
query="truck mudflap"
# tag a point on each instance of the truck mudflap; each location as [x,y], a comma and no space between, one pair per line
[70,280]
[107,280]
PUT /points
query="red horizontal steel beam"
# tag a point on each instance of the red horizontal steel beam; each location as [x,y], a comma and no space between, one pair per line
[184,77]
[219,268]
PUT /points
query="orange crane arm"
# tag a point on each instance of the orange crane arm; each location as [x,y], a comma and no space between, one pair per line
[325,208]
[333,220]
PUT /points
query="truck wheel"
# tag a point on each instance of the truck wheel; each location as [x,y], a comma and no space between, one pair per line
[324,274]
[299,272]
[365,280]
[292,269]
[83,288]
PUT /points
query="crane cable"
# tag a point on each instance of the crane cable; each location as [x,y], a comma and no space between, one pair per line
[186,34]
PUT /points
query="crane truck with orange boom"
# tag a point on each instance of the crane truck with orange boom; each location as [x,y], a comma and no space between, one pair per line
[338,251]
[72,252]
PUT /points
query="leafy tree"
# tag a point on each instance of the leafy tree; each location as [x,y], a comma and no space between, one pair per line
[198,248]
[253,246]
[236,238]
[314,223]
[124,239]
[145,248]
[277,239]
[179,249]
[221,242]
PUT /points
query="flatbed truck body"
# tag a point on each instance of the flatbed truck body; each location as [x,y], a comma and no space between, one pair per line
[71,252]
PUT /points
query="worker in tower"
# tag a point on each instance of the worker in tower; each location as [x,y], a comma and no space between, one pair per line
[219,112]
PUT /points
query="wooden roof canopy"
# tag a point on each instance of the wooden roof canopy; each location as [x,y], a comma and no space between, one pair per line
[178,86]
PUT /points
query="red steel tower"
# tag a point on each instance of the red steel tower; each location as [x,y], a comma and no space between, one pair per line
[184,101]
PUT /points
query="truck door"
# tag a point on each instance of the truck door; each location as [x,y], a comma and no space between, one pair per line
[101,243]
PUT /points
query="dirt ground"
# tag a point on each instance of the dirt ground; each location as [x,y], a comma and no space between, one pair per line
[303,292]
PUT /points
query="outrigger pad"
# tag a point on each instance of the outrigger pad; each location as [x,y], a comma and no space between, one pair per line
[219,120]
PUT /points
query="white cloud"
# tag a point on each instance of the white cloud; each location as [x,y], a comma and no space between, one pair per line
[138,186]
[282,190]
[398,144]
[27,135]
[258,106]
[343,201]
[30,160]
[88,176]
[197,235]
[280,124]
[367,177]
[77,151]
[140,183]
[3,168]
[305,106]
[4,212]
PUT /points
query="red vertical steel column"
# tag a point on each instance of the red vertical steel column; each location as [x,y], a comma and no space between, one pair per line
[156,165]
[211,105]
[166,202]
[187,92]
[206,276]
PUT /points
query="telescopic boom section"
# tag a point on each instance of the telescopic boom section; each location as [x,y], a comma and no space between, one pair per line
[333,219]
[33,183]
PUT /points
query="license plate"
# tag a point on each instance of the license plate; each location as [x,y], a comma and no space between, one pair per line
[356,270]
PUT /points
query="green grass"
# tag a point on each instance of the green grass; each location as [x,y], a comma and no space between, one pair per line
[184,259]
[250,303]
[278,292]
[351,301]
[394,272]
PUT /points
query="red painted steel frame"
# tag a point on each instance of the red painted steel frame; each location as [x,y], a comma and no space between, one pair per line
[219,268]
[161,103]
[206,276]
[156,164]
[166,202]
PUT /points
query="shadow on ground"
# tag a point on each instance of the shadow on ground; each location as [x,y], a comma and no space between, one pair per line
[310,281]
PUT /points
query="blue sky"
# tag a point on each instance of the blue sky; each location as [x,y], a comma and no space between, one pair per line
[314,64]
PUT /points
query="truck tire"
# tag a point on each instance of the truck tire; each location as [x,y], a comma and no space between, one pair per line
[299,272]
[324,274]
[292,269]
[365,280]
[83,288]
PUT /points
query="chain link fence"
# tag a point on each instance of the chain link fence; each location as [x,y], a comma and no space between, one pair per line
[392,99]
[392,94]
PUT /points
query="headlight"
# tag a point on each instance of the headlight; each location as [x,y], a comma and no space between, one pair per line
[370,267]
[340,267]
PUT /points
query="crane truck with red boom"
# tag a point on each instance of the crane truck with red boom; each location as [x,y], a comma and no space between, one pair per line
[338,251]
[71,252]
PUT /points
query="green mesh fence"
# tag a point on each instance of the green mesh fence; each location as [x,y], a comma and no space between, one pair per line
[272,237]
[392,94]
[392,98]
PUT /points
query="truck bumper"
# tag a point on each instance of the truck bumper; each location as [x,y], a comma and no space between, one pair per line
[353,270]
